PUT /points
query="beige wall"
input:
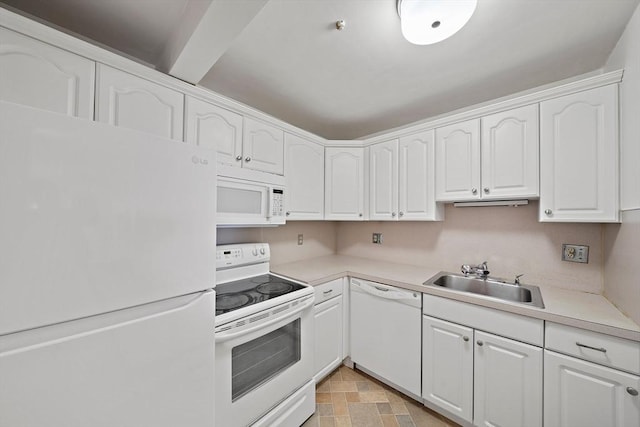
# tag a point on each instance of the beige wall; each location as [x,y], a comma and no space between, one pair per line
[621,260]
[622,241]
[319,239]
[510,239]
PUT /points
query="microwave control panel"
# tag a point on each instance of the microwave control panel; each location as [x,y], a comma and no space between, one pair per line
[278,202]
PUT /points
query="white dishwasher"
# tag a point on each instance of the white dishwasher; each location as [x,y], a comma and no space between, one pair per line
[385,333]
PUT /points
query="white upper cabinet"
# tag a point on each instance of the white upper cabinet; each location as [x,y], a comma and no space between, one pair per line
[383,181]
[458,161]
[125,100]
[213,127]
[579,157]
[509,152]
[42,76]
[304,178]
[344,183]
[416,182]
[262,147]
[501,162]
[402,179]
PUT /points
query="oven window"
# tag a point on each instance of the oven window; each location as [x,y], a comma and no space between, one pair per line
[255,362]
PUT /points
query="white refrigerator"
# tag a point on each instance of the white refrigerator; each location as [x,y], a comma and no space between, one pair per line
[107,263]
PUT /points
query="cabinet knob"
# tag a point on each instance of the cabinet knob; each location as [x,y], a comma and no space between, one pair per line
[288,213]
[393,214]
[401,214]
[238,158]
[474,191]
[632,391]
[480,343]
[247,159]
[548,211]
[466,339]
[360,215]
[486,190]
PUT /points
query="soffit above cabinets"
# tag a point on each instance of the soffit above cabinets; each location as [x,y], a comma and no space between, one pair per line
[287,59]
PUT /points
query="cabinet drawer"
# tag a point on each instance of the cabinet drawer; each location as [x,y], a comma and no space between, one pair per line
[593,346]
[501,323]
[328,290]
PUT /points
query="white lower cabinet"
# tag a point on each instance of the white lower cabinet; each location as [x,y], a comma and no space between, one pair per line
[479,377]
[447,366]
[507,382]
[579,393]
[328,315]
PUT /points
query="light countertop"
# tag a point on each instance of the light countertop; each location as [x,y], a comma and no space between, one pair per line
[579,309]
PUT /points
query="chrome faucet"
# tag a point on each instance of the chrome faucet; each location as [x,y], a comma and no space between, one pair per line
[481,270]
[517,279]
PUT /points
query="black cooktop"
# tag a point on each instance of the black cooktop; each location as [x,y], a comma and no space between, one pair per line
[241,293]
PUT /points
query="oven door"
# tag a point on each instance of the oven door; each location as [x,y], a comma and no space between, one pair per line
[262,362]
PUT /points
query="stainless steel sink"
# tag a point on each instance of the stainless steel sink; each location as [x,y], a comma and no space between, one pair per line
[488,288]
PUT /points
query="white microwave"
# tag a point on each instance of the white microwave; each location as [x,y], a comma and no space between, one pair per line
[245,203]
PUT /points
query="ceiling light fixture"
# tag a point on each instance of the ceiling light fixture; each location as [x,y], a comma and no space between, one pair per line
[430,21]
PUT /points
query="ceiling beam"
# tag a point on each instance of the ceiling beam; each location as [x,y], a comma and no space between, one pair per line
[206,31]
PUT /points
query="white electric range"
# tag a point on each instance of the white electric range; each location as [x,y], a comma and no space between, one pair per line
[264,342]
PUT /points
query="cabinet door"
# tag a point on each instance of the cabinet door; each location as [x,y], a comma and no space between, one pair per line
[128,101]
[304,177]
[42,76]
[344,183]
[510,154]
[507,382]
[458,161]
[328,344]
[579,157]
[447,366]
[383,181]
[579,393]
[262,147]
[416,184]
[213,127]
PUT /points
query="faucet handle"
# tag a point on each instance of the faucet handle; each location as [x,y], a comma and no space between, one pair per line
[466,269]
[517,279]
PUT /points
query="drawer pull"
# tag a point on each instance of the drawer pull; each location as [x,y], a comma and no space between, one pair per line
[328,292]
[601,349]
[381,289]
[632,391]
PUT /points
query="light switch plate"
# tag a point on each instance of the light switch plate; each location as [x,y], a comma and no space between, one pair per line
[575,253]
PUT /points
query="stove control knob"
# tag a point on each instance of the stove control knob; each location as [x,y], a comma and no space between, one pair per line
[262,251]
[254,252]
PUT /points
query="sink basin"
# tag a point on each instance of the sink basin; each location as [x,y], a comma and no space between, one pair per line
[492,288]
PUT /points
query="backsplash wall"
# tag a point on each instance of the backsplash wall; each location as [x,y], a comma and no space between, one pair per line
[319,239]
[511,240]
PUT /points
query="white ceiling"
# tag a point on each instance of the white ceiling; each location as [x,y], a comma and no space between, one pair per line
[291,62]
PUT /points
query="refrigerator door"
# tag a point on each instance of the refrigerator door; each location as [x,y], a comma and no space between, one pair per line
[152,365]
[96,218]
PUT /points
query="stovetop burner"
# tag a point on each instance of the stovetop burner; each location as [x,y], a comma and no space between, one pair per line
[242,293]
[229,302]
[274,288]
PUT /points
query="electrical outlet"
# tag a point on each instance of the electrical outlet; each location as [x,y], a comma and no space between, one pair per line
[300,239]
[377,238]
[575,253]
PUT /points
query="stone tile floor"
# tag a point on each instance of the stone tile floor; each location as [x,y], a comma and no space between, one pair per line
[351,398]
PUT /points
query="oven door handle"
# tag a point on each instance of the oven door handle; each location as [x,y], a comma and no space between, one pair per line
[227,335]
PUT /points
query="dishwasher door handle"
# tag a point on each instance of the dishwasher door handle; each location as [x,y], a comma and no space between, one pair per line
[385,292]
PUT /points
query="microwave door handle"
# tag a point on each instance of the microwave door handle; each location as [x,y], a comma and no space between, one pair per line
[269,207]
